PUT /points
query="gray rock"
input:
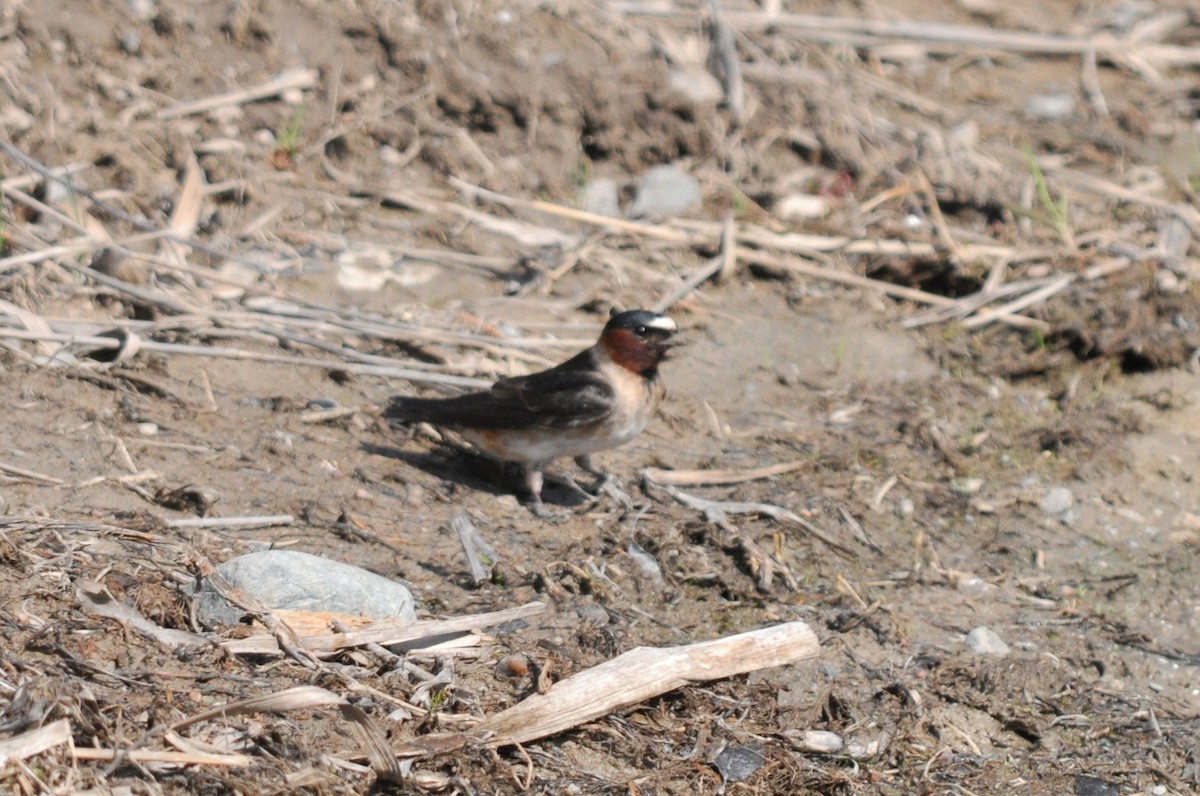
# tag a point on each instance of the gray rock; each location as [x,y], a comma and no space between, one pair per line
[984,641]
[600,197]
[664,191]
[291,580]
[1057,501]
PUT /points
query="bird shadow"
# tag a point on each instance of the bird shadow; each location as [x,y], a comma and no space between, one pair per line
[469,468]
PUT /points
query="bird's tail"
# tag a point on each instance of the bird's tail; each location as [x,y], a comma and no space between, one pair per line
[403,409]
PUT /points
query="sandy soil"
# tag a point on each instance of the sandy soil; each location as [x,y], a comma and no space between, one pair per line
[1032,475]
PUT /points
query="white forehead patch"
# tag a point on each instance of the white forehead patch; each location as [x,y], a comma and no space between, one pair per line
[663,323]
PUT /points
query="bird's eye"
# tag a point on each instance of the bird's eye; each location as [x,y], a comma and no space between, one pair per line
[640,331]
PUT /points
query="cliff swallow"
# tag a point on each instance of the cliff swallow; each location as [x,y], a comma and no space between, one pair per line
[598,399]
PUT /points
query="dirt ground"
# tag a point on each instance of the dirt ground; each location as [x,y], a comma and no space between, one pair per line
[1029,472]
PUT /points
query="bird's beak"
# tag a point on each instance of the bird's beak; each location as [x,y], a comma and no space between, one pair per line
[666,346]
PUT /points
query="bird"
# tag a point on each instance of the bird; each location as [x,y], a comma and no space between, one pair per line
[598,399]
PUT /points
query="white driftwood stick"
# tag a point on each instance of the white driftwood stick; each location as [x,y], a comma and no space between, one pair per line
[34,742]
[156,756]
[644,673]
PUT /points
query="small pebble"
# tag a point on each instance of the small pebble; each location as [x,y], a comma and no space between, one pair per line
[801,206]
[130,42]
[513,667]
[788,374]
[984,641]
[390,156]
[966,486]
[697,86]
[646,563]
[147,429]
[1057,501]
[737,763]
[593,613]
[974,585]
[905,508]
[1054,106]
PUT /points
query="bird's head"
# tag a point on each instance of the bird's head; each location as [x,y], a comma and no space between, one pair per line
[639,339]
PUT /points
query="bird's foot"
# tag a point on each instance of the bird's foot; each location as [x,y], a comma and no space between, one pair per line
[542,513]
[604,487]
[607,486]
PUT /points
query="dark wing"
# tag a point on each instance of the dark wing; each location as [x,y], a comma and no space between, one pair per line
[569,395]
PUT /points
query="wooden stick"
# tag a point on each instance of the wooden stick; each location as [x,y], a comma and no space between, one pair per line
[35,741]
[628,679]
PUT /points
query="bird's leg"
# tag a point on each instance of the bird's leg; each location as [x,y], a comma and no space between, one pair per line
[534,479]
[585,463]
[605,484]
[533,484]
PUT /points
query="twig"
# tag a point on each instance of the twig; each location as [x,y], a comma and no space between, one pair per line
[31,475]
[715,511]
[217,352]
[1028,300]
[936,37]
[295,78]
[262,521]
[969,304]
[887,288]
[307,697]
[155,756]
[724,63]
[697,477]
[720,266]
[481,557]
